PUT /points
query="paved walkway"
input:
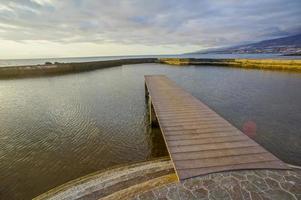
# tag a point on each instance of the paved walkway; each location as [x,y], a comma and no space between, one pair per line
[237,185]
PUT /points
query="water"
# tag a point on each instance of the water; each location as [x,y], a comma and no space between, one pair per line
[20,62]
[55,129]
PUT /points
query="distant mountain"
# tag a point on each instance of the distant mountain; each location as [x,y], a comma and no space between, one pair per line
[284,45]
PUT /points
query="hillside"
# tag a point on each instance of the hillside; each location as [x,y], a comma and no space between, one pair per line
[284,45]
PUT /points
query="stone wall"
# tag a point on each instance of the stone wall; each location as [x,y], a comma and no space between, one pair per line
[60,68]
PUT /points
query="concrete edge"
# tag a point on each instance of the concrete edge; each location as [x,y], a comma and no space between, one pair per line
[81,180]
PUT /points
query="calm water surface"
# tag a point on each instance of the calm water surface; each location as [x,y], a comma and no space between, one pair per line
[55,129]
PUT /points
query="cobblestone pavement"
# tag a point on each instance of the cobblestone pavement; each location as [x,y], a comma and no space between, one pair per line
[236,185]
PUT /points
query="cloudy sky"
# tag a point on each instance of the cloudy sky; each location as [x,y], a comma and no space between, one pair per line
[66,28]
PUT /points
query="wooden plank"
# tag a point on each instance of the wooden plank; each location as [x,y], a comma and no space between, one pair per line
[199,140]
[194,136]
[217,153]
[200,126]
[190,119]
[221,161]
[202,147]
[195,124]
[200,131]
[208,140]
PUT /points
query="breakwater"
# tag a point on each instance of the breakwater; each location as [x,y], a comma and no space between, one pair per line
[274,64]
[61,68]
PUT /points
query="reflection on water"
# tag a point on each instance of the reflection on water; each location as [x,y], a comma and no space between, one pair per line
[54,129]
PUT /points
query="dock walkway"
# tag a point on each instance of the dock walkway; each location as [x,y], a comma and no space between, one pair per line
[198,140]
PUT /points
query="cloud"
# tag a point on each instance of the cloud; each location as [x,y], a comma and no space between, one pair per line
[43,2]
[203,23]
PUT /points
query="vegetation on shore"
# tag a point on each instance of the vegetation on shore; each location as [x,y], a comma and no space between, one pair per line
[273,64]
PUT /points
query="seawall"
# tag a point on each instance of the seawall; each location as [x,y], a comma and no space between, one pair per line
[119,182]
[272,64]
[61,68]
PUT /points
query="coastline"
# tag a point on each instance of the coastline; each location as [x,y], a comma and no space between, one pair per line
[63,68]
[271,64]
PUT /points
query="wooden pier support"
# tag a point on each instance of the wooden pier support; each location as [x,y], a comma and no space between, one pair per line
[152,115]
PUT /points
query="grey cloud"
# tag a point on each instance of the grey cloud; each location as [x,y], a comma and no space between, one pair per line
[149,22]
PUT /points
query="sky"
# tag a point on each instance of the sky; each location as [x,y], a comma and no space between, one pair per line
[76,28]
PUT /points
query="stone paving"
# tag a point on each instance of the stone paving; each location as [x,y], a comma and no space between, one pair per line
[235,185]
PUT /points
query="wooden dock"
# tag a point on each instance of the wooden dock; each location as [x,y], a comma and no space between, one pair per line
[200,141]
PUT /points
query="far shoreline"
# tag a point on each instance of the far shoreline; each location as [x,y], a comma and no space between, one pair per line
[62,68]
